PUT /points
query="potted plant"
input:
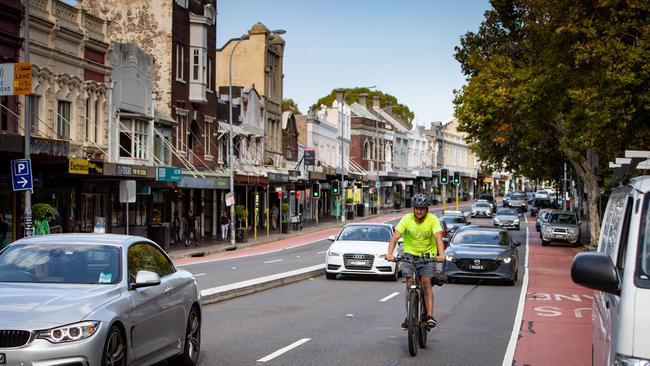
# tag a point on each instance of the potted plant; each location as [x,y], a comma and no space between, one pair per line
[42,213]
[242,230]
[284,227]
[398,199]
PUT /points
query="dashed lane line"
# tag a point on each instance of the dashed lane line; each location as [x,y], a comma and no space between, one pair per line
[389,297]
[284,350]
[274,261]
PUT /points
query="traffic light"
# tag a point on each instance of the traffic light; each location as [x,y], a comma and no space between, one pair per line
[336,189]
[315,190]
[456,178]
[444,176]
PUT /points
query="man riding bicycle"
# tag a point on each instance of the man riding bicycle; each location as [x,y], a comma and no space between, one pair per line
[422,236]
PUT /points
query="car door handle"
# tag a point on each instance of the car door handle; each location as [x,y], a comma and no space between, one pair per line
[169,289]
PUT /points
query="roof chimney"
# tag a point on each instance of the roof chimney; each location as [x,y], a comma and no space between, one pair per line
[339,96]
[389,107]
[362,99]
[376,102]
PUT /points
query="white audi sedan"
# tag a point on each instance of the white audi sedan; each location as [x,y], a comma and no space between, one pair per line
[96,299]
[360,249]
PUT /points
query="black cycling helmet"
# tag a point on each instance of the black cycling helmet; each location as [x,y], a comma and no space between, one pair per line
[420,200]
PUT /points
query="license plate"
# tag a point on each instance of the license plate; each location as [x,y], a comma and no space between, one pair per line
[472,266]
[3,359]
[358,263]
[558,236]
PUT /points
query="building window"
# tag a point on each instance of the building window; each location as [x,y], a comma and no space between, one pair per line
[34,102]
[87,119]
[181,131]
[133,140]
[95,120]
[180,61]
[204,66]
[195,65]
[63,120]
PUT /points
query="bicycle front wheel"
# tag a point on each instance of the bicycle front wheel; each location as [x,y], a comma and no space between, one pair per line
[424,331]
[413,331]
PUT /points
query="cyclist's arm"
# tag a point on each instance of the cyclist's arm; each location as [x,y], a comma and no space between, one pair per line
[440,245]
[391,245]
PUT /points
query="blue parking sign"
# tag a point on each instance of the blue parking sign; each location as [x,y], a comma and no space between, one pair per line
[21,174]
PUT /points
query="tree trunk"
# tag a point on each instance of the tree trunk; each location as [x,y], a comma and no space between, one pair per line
[588,177]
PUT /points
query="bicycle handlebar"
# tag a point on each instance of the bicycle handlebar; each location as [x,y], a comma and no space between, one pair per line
[422,259]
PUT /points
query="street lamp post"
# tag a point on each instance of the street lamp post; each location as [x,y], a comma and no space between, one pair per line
[230,137]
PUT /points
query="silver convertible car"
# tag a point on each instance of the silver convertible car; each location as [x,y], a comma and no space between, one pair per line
[95,299]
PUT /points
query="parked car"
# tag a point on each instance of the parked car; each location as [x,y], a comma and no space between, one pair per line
[82,299]
[482,209]
[361,249]
[541,217]
[507,218]
[619,272]
[480,252]
[519,201]
[454,222]
[562,226]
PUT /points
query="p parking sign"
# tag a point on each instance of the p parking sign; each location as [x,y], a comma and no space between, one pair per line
[21,175]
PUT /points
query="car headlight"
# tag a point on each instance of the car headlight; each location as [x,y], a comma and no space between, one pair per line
[516,221]
[449,258]
[69,333]
[496,221]
[333,254]
[506,260]
[572,231]
[548,230]
[620,360]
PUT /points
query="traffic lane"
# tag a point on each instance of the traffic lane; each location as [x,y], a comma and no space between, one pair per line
[345,322]
[294,255]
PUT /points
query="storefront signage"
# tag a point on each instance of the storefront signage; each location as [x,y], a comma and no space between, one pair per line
[310,156]
[275,177]
[130,171]
[143,190]
[83,166]
[169,174]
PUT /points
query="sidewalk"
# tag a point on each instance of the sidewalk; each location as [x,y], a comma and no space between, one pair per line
[208,246]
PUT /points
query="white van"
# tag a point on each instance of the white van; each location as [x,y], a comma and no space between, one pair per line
[620,273]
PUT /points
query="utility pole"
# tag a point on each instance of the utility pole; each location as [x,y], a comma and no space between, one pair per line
[28,131]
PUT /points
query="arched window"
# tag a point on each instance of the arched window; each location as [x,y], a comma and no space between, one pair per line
[366,150]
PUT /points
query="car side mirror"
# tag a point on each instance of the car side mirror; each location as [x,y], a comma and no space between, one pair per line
[331,238]
[146,279]
[596,271]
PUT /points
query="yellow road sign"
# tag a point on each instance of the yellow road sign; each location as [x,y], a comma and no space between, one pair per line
[22,78]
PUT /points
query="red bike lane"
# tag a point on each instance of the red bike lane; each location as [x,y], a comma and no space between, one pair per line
[556,322]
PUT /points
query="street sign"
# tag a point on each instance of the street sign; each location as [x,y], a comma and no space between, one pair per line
[310,156]
[127,191]
[21,175]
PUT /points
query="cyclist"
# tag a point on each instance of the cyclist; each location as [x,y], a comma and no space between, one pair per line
[422,235]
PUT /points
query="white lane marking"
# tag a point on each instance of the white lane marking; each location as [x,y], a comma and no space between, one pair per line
[526,218]
[323,252]
[256,281]
[199,274]
[245,255]
[274,261]
[283,350]
[512,345]
[389,297]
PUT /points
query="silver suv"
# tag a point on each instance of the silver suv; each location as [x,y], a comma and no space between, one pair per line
[519,201]
[562,226]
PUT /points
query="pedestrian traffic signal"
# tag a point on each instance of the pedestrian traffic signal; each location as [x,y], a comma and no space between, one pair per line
[444,176]
[315,189]
[456,178]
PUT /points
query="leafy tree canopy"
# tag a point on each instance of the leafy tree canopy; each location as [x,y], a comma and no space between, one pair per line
[291,106]
[352,95]
[548,80]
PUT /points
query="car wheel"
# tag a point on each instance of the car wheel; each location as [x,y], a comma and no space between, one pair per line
[190,354]
[115,348]
[544,243]
[330,276]
[395,276]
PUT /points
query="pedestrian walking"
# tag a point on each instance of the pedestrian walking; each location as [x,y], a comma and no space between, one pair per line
[190,223]
[225,224]
[274,217]
[176,229]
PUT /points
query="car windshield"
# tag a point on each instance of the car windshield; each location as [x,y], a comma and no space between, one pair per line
[507,212]
[366,233]
[482,205]
[60,263]
[481,237]
[486,197]
[516,197]
[569,219]
[453,219]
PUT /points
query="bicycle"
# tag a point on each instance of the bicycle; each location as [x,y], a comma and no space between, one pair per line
[297,222]
[416,313]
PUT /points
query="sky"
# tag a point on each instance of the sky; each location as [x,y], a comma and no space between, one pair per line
[403,47]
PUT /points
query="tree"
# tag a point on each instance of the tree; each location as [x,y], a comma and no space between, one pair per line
[352,95]
[291,106]
[555,80]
